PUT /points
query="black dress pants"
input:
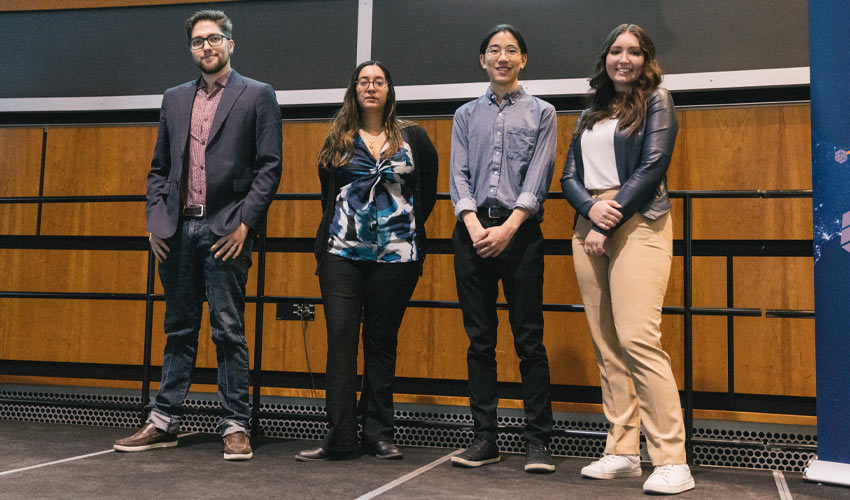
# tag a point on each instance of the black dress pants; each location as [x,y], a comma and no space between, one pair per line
[520,267]
[378,291]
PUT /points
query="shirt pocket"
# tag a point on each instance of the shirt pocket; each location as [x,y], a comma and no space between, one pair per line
[520,145]
[520,148]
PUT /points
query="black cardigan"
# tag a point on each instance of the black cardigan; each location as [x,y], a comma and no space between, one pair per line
[425,164]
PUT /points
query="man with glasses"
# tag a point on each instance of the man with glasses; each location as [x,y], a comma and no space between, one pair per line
[503,155]
[215,170]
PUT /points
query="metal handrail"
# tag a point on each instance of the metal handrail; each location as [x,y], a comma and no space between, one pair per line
[687,310]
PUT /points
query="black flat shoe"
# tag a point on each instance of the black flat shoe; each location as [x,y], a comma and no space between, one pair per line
[383,449]
[316,454]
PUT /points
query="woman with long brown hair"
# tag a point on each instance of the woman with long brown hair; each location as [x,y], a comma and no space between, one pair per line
[379,183]
[615,178]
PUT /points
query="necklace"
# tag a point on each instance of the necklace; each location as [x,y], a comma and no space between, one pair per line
[373,142]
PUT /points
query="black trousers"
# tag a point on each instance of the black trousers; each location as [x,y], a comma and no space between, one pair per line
[380,291]
[520,267]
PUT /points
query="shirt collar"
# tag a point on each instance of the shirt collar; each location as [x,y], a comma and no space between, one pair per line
[510,97]
[220,83]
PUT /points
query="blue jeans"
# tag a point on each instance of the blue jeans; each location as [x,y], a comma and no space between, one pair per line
[188,274]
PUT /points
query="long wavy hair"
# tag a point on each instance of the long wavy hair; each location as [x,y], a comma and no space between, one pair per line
[629,107]
[339,146]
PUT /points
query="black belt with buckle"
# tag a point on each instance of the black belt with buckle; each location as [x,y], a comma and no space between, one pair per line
[194,211]
[494,212]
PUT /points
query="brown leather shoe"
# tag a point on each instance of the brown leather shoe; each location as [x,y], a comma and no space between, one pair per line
[147,438]
[237,447]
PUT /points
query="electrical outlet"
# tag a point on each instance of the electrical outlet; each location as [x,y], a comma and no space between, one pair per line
[296,311]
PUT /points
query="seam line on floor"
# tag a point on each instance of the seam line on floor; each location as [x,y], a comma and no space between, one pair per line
[407,477]
[70,459]
[782,486]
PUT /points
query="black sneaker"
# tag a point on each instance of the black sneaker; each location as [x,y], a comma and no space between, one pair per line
[482,452]
[538,459]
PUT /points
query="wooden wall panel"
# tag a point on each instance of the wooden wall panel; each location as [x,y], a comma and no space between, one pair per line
[84,161]
[301,144]
[94,219]
[73,271]
[284,341]
[291,274]
[441,223]
[20,163]
[83,331]
[440,132]
[710,354]
[86,331]
[763,148]
[735,148]
[96,161]
[438,279]
[294,218]
[773,355]
[18,219]
[567,339]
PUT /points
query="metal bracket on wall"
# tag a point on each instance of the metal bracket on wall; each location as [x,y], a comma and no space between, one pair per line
[296,311]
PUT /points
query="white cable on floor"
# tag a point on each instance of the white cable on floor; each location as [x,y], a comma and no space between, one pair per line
[71,459]
[782,486]
[407,477]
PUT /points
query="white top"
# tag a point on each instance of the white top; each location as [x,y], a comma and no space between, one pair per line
[597,153]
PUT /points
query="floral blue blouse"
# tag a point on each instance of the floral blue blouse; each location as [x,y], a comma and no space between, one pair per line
[373,213]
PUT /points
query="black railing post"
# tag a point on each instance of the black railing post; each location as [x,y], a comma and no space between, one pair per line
[146,364]
[258,336]
[730,325]
[689,341]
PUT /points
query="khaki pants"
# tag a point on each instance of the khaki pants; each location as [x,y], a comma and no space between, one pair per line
[623,291]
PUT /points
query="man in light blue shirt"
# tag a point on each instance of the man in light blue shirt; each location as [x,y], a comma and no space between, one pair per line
[503,156]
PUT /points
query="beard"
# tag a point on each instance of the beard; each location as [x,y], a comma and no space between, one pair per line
[214,67]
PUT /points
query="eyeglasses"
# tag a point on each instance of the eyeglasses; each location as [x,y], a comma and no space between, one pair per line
[509,51]
[214,40]
[364,83]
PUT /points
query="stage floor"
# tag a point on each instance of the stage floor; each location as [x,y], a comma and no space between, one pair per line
[41,460]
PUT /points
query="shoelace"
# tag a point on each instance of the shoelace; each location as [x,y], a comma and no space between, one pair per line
[663,470]
[607,459]
[536,447]
[477,445]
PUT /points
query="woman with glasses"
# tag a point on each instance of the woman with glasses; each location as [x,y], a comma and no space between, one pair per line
[379,183]
[615,178]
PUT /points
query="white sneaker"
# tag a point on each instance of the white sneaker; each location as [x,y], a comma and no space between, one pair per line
[613,466]
[669,479]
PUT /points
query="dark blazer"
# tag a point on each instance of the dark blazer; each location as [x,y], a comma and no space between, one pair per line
[243,157]
[642,160]
[425,164]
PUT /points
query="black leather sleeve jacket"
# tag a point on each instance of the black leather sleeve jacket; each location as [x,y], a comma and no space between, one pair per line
[425,163]
[642,160]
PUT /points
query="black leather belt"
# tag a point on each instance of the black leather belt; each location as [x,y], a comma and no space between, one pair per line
[496,213]
[194,211]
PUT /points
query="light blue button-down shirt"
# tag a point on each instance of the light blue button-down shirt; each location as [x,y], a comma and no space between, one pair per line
[503,155]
